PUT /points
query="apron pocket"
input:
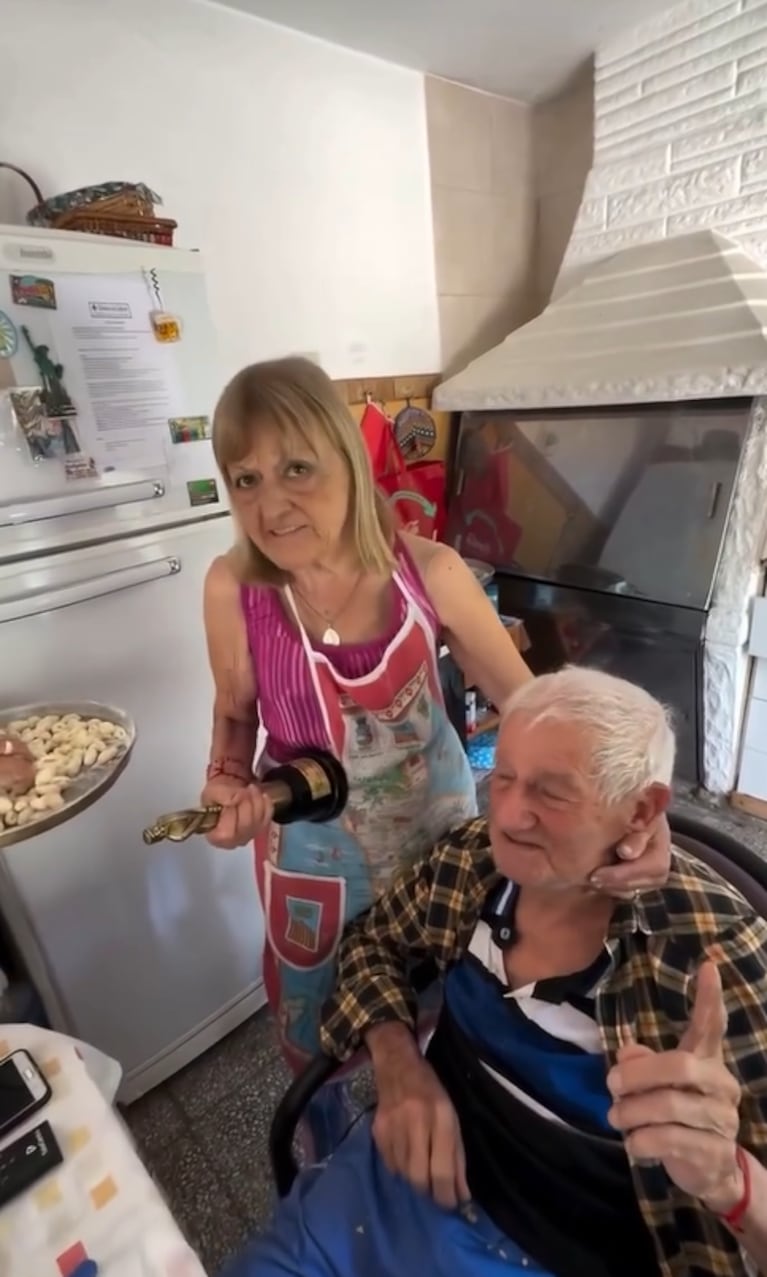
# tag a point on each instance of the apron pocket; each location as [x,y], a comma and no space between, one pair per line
[305,916]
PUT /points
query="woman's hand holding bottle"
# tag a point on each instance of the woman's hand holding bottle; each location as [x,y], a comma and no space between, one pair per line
[245,810]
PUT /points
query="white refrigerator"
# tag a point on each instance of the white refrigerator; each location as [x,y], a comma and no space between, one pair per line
[110,512]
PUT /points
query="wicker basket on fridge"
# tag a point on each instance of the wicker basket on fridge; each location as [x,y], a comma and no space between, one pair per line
[122,209]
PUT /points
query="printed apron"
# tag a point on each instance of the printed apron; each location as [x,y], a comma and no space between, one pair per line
[409,782]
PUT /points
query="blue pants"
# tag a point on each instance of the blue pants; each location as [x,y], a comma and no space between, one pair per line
[329,1115]
[352,1218]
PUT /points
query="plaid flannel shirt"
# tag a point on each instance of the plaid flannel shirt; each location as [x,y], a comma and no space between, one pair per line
[656,946]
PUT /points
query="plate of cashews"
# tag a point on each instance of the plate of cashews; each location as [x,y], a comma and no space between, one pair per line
[78,751]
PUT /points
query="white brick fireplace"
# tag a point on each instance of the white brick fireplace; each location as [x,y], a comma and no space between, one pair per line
[680,149]
[680,133]
[681,145]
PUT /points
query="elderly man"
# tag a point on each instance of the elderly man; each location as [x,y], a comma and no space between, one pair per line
[594,1100]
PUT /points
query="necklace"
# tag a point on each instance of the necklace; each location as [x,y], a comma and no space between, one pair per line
[330,637]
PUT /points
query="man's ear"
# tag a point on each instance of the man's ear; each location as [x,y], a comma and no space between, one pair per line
[650,804]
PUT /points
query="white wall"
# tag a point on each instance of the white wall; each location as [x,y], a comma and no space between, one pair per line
[680,132]
[299,169]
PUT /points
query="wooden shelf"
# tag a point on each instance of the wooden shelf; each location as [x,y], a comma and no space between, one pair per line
[752,806]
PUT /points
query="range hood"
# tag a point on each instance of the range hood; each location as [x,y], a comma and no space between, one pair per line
[683,318]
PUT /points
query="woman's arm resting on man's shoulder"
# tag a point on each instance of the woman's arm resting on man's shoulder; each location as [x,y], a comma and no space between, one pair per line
[477,638]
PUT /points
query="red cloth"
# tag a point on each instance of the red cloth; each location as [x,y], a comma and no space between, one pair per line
[417,493]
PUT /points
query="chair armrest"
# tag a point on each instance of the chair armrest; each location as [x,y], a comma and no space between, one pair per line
[712,836]
[288,1114]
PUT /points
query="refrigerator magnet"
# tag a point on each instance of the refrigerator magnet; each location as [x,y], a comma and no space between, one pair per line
[9,337]
[202,492]
[80,466]
[189,429]
[30,290]
[28,413]
[47,438]
[55,396]
[166,327]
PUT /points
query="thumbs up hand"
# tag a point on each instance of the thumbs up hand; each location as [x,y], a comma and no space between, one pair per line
[705,1034]
[680,1107]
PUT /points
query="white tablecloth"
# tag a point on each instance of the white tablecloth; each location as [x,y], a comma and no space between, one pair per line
[100,1204]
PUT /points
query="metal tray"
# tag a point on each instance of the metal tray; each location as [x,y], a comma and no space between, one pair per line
[90,785]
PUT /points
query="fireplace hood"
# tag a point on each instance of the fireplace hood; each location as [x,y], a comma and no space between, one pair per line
[684,318]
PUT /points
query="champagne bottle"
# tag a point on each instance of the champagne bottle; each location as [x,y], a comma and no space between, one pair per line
[313,787]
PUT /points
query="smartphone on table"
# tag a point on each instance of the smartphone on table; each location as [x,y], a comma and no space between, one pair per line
[23,1090]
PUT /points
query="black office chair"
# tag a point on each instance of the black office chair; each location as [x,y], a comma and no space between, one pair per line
[740,866]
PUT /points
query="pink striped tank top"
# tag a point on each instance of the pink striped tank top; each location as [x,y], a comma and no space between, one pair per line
[288,708]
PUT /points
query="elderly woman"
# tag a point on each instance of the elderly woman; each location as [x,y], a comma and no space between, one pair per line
[595,1095]
[323,625]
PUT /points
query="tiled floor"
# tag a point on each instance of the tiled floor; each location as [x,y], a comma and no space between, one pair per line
[204,1134]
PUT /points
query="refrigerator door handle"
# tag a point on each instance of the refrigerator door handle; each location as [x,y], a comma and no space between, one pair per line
[36,602]
[111,497]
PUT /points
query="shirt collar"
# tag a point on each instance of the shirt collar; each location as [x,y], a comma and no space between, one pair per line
[644,913]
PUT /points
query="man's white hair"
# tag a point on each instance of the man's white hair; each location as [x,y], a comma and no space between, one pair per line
[632,733]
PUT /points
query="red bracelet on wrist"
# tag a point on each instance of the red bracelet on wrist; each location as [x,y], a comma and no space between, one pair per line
[227,767]
[734,1216]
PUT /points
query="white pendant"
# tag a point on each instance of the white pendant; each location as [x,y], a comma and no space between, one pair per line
[331,637]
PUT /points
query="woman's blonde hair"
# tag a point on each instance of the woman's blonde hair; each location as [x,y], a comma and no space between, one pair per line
[297,397]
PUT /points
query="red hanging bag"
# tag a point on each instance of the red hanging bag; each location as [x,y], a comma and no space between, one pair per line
[416,493]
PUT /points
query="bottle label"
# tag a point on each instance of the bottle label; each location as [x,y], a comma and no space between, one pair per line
[315,777]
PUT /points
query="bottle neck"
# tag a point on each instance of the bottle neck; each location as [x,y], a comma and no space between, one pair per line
[280,795]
